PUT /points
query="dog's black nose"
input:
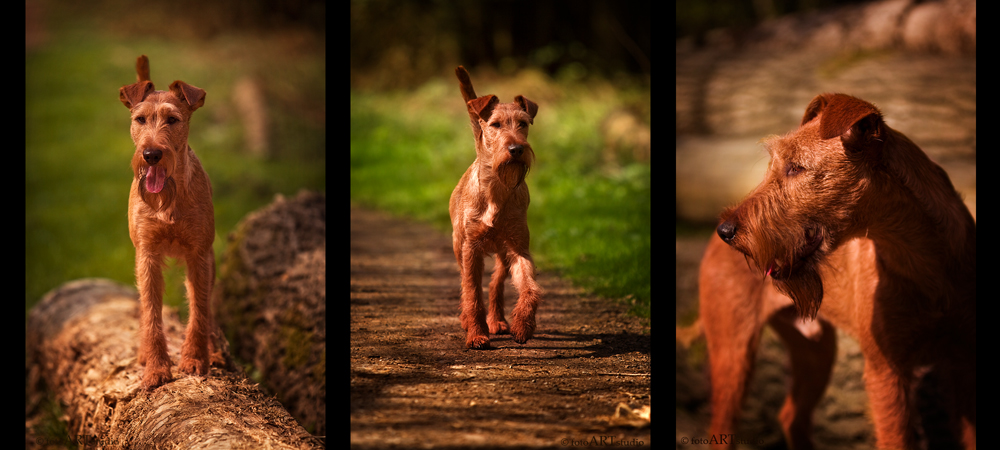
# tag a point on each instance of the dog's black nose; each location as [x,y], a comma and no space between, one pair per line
[515,149]
[727,231]
[152,156]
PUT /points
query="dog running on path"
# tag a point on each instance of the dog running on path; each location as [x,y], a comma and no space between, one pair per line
[489,214]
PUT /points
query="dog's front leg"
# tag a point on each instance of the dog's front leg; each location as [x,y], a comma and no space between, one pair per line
[495,320]
[194,353]
[152,341]
[522,270]
[473,314]
[888,393]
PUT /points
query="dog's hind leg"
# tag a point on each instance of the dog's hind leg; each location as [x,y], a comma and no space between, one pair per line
[812,355]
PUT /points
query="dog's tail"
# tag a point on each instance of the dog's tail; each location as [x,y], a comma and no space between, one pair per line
[142,69]
[465,84]
[686,335]
[468,93]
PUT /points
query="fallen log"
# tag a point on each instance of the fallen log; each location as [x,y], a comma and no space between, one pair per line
[81,346]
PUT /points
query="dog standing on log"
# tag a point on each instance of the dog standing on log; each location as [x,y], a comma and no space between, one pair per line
[852,226]
[489,214]
[170,213]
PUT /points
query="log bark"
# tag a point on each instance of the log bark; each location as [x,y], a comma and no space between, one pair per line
[81,345]
[271,299]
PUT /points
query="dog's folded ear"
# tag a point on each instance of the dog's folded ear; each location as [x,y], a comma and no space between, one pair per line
[194,96]
[527,105]
[483,106]
[858,123]
[134,94]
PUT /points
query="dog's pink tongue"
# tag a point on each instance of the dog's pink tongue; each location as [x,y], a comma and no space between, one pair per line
[155,177]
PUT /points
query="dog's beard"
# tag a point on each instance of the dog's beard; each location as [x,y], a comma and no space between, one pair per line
[798,278]
[805,288]
[157,200]
[511,170]
[796,274]
[792,263]
[512,173]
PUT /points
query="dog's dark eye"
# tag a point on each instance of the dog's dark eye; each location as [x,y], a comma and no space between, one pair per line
[172,120]
[522,124]
[495,125]
[141,120]
[794,169]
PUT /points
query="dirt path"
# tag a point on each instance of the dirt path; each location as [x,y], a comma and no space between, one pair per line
[414,385]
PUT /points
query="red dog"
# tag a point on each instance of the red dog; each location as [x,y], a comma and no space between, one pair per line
[489,214]
[170,213]
[854,226]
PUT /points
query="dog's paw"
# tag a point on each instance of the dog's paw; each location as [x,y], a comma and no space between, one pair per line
[499,327]
[478,342]
[156,376]
[523,329]
[194,366]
